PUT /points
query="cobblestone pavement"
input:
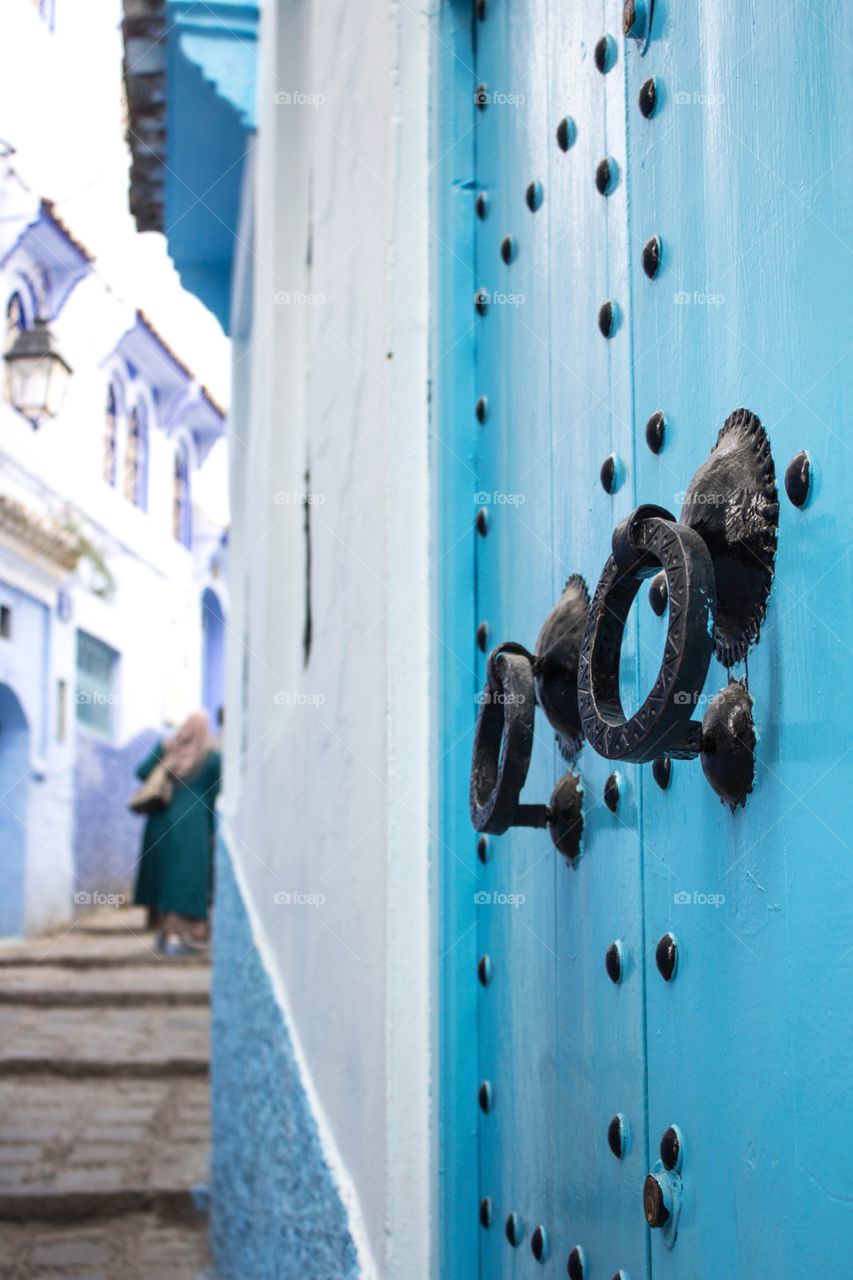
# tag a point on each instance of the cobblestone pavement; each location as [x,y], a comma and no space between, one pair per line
[103,1107]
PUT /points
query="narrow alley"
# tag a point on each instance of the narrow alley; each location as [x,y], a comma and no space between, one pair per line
[103,1105]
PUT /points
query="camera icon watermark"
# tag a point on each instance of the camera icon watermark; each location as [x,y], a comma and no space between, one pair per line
[683,698]
[695,297]
[697,98]
[499,499]
[298,98]
[294,898]
[486,97]
[295,298]
[497,697]
[684,898]
[484,899]
[485,298]
[297,498]
[702,499]
[297,698]
[96,899]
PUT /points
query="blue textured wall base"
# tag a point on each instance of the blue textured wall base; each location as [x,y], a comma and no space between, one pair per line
[276,1213]
[107,836]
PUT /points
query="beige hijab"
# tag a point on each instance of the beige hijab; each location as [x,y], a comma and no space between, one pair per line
[187,751]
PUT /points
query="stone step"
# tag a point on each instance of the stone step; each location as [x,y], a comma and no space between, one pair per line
[137,1042]
[89,1069]
[89,951]
[69,1150]
[51,986]
[105,920]
[92,1200]
[135,1246]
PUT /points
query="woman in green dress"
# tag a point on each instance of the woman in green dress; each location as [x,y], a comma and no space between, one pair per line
[174,877]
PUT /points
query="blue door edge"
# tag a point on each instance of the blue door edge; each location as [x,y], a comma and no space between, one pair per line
[453,450]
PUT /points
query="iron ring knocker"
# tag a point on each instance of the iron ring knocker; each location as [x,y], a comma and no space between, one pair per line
[503,745]
[649,539]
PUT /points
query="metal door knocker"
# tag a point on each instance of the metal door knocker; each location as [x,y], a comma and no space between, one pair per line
[650,538]
[718,560]
[503,739]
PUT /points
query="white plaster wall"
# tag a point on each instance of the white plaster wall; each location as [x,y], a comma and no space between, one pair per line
[328,772]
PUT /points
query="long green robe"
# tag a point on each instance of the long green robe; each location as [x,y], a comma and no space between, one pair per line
[175,865]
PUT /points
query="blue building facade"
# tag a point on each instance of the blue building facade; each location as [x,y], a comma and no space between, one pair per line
[104,574]
[536,784]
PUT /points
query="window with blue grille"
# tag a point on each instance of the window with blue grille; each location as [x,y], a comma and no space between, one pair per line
[136,457]
[181,510]
[111,435]
[95,695]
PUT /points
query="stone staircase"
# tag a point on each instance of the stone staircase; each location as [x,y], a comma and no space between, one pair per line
[103,1106]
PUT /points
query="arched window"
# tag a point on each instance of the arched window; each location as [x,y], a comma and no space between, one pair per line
[111,435]
[181,518]
[15,320]
[136,457]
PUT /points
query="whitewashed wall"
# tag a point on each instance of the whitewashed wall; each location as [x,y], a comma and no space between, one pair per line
[328,752]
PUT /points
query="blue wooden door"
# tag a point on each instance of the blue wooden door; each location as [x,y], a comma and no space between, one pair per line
[750,1045]
[646,228]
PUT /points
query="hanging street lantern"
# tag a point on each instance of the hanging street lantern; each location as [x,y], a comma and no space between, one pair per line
[37,375]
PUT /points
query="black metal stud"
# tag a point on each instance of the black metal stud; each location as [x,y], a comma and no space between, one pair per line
[509,249]
[514,1230]
[648,99]
[577,1264]
[482,96]
[482,522]
[539,1244]
[484,1096]
[607,474]
[566,133]
[613,962]
[483,636]
[605,176]
[633,20]
[484,970]
[481,10]
[670,1148]
[666,956]
[651,257]
[534,195]
[798,479]
[481,205]
[605,54]
[486,1212]
[483,849]
[656,430]
[481,301]
[481,409]
[728,744]
[607,317]
[611,792]
[615,1136]
[654,1204]
[662,771]
[658,594]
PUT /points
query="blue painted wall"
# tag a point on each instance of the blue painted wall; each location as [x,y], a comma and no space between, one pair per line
[275,1211]
[107,835]
[213,654]
[211,110]
[14,788]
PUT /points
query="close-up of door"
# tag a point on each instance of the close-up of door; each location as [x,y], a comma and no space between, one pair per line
[646,958]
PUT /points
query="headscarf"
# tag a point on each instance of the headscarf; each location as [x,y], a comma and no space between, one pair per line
[187,751]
